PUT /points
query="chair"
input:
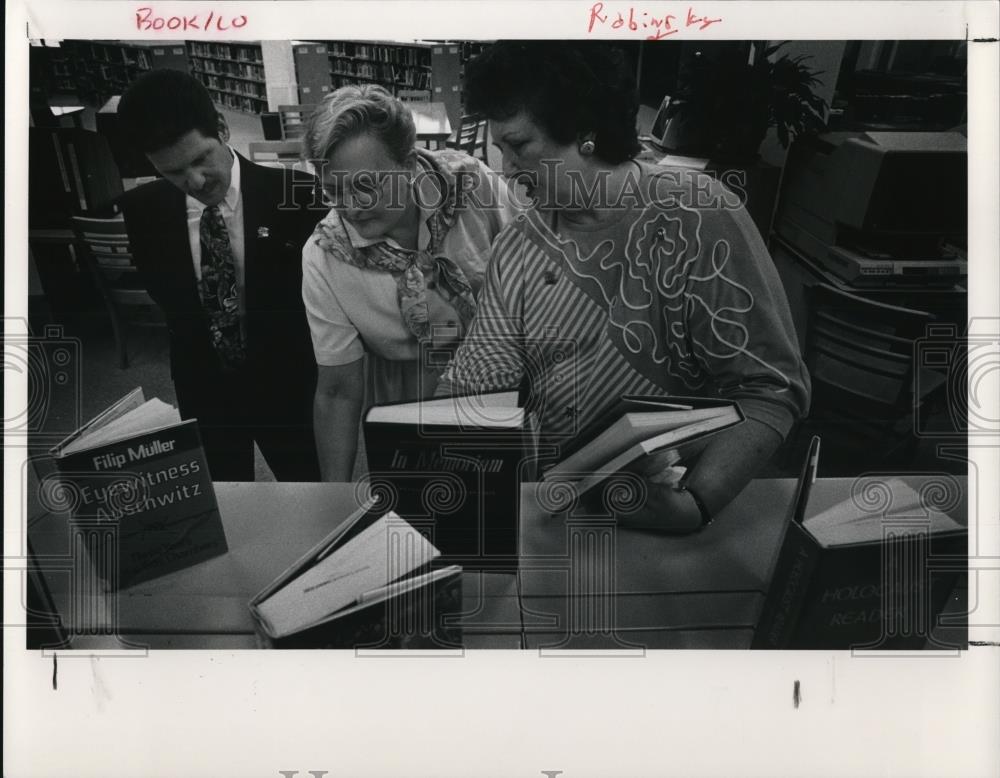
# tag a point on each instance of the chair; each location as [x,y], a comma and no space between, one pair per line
[470,136]
[414,95]
[105,247]
[293,120]
[860,355]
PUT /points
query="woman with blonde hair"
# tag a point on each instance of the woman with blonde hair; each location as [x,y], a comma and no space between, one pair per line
[392,272]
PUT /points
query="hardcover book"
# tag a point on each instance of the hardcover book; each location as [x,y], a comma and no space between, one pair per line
[678,428]
[139,489]
[371,583]
[847,578]
[453,468]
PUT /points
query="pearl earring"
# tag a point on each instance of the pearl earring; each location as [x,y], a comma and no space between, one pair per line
[587,148]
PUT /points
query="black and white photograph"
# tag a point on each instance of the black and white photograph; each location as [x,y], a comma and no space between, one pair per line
[383,369]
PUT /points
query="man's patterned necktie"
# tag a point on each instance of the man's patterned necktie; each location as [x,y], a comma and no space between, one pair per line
[218,289]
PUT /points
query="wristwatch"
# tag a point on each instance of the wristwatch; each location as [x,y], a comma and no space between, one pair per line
[706,517]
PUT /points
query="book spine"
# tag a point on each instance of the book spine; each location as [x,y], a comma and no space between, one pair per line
[789,586]
[425,618]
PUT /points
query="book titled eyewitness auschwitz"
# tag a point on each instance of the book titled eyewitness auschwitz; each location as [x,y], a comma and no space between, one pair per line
[136,477]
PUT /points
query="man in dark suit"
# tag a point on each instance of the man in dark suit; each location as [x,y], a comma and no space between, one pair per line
[218,242]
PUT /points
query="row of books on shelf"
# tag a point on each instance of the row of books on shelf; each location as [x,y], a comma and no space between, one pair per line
[462,460]
[234,86]
[398,54]
[414,79]
[138,59]
[240,103]
[227,68]
[113,71]
[232,51]
[418,79]
[82,53]
[97,52]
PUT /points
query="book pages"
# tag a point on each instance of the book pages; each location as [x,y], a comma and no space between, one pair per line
[630,429]
[497,410]
[847,522]
[387,550]
[151,415]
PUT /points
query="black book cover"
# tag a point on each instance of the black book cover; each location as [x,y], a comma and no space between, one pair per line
[882,595]
[458,485]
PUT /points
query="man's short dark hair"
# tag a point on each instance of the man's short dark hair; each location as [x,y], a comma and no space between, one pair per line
[162,106]
[569,88]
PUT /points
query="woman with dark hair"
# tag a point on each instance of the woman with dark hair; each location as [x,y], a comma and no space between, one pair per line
[624,278]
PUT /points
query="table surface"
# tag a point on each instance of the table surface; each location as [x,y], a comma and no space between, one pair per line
[581,581]
[431,120]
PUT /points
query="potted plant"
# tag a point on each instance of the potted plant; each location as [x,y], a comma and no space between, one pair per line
[726,104]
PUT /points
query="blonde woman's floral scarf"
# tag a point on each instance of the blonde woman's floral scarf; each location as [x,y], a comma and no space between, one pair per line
[416,271]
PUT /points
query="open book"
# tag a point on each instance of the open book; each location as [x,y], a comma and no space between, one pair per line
[345,591]
[677,427]
[131,416]
[854,576]
[493,411]
[846,524]
[139,472]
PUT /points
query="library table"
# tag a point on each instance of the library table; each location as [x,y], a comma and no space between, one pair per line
[268,526]
[586,583]
[431,120]
[581,581]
